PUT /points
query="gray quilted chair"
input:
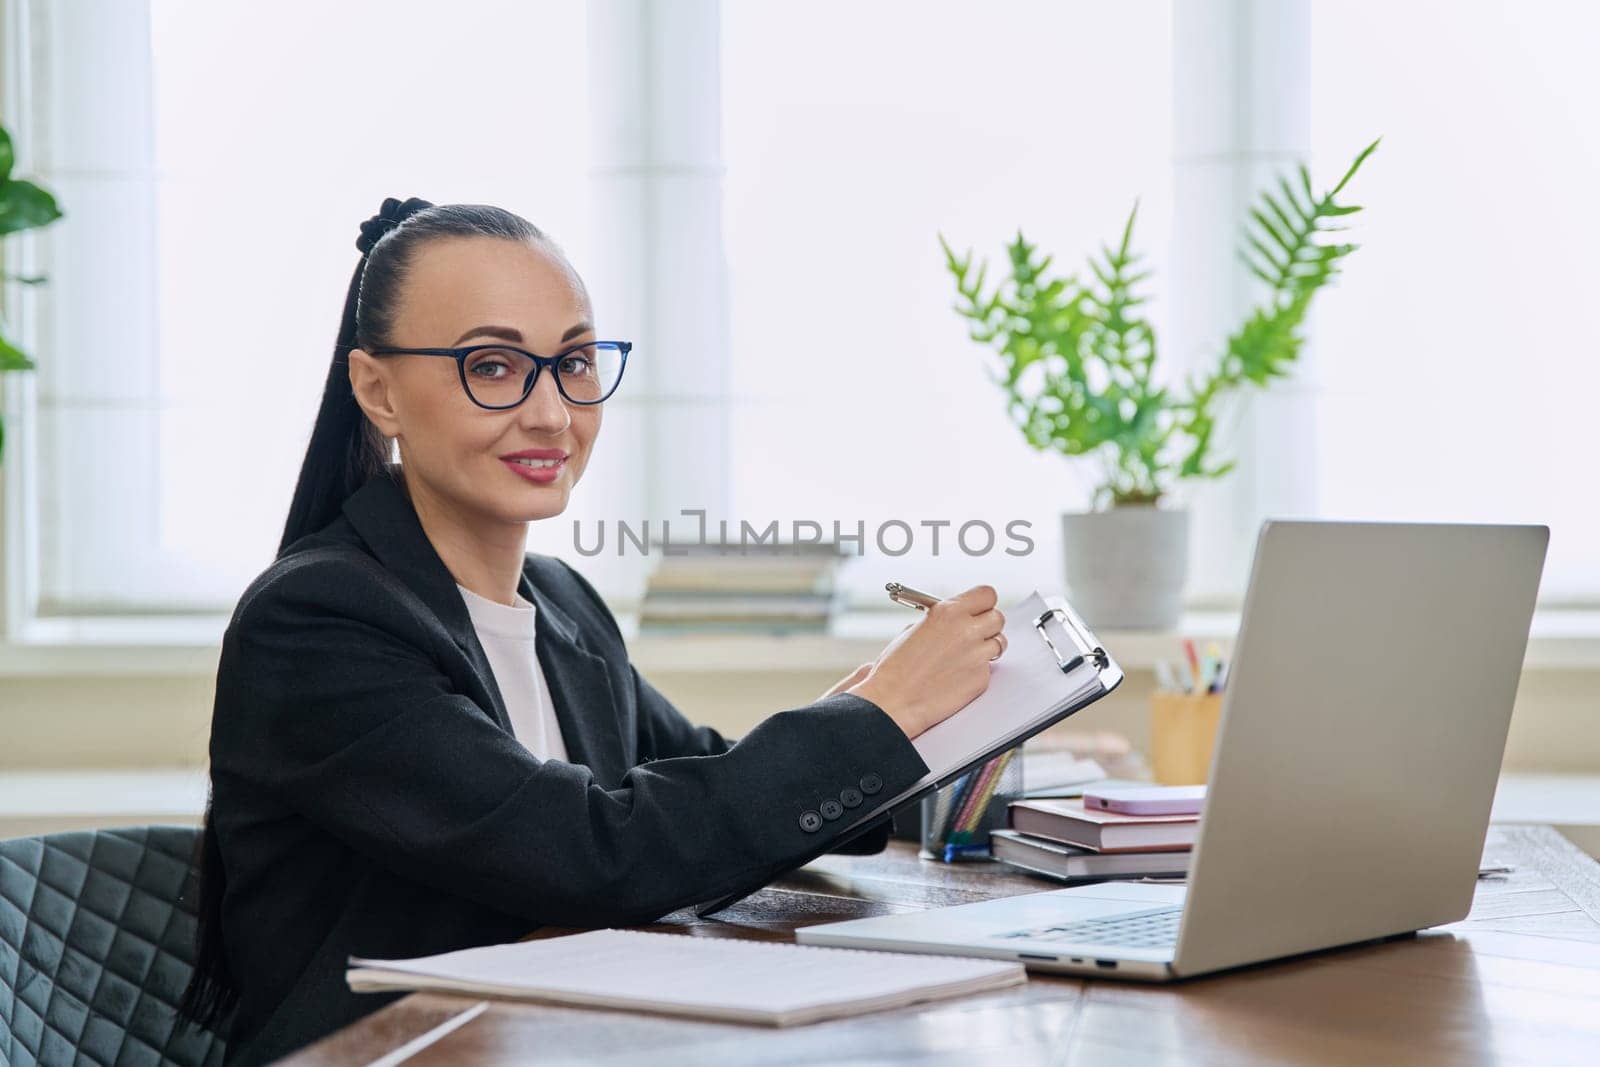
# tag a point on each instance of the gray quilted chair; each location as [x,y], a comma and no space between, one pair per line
[96,947]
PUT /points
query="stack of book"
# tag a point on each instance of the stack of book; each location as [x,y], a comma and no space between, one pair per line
[1062,839]
[711,588]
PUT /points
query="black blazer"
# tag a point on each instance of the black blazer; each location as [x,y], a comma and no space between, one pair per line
[369,797]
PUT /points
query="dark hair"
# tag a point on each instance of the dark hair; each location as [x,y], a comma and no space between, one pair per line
[344,451]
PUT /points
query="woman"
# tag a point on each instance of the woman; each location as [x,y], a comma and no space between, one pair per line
[402,763]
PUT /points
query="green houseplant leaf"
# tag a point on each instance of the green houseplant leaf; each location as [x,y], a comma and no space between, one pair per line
[23,206]
[1076,358]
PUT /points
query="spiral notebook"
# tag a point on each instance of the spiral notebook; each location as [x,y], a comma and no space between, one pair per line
[768,983]
[1053,666]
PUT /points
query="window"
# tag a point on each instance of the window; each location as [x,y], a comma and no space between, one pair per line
[854,134]
[214,161]
[1457,355]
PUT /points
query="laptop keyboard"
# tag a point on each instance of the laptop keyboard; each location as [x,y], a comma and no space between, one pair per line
[1154,928]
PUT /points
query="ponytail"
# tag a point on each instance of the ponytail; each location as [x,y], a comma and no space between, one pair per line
[345,448]
[212,993]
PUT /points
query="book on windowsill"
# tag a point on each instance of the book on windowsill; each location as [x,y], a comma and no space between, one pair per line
[748,549]
[751,588]
[717,575]
[1070,823]
[680,607]
[1068,863]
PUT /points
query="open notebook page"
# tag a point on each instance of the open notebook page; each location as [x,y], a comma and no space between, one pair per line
[767,982]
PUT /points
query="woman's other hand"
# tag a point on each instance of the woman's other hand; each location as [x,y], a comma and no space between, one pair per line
[847,681]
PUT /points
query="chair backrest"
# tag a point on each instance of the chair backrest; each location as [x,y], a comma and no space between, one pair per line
[96,947]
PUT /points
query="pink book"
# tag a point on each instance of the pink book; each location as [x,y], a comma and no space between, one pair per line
[1070,822]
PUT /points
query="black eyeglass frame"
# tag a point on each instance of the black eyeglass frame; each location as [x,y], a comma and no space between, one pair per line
[539,364]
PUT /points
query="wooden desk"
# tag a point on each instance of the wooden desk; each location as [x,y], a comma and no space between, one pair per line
[1518,981]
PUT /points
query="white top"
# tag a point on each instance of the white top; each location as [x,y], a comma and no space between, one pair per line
[506,634]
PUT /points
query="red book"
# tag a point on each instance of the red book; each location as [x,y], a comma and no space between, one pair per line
[1070,822]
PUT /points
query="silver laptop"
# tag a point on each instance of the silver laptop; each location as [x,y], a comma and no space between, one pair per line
[1362,731]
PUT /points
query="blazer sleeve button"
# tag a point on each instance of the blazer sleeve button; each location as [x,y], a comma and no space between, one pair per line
[810,821]
[870,784]
[831,809]
[850,796]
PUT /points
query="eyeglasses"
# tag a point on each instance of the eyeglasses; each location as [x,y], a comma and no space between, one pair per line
[501,376]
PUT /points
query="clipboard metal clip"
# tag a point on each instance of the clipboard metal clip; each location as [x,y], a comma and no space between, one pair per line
[1086,649]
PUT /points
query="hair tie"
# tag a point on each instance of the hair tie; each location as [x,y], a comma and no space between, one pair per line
[389,216]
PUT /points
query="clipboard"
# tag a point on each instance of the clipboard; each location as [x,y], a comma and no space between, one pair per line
[1079,650]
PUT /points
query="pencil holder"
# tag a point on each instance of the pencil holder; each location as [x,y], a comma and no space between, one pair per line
[1183,729]
[956,820]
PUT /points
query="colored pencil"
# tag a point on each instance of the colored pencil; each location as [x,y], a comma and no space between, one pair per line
[974,797]
[987,790]
[958,795]
[1194,661]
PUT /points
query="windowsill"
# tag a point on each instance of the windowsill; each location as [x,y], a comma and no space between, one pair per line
[188,646]
[1560,640]
[125,646]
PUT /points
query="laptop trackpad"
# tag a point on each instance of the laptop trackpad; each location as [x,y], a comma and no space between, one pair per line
[1104,900]
[991,919]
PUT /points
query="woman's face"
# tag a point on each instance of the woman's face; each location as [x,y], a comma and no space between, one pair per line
[480,290]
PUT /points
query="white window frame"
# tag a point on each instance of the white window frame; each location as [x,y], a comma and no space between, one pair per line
[1230,137]
[28,53]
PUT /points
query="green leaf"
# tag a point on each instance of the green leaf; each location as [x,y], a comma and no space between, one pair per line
[1261,251]
[8,155]
[1272,231]
[1278,213]
[1360,159]
[25,206]
[1127,230]
[12,357]
[1266,346]
[1102,274]
[1304,214]
[1258,271]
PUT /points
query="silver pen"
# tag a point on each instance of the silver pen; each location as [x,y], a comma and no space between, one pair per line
[911,598]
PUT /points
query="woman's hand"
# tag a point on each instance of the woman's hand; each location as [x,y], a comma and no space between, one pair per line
[937,665]
[847,681]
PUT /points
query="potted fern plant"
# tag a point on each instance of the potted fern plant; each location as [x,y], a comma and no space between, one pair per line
[1076,363]
[23,206]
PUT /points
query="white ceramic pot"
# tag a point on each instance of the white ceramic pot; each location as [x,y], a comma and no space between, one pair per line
[1126,567]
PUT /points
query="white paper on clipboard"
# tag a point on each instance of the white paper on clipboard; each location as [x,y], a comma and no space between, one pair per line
[1026,686]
